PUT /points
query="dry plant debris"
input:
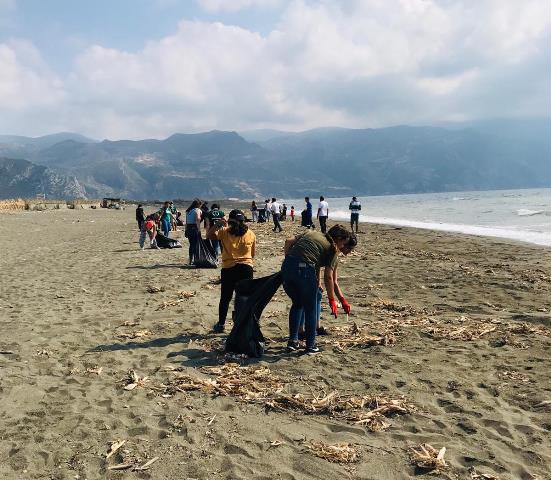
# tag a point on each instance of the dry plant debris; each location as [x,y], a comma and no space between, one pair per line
[481,476]
[395,309]
[513,375]
[94,371]
[154,289]
[259,385]
[468,331]
[114,447]
[525,329]
[215,281]
[186,294]
[133,380]
[343,338]
[426,456]
[337,453]
[136,334]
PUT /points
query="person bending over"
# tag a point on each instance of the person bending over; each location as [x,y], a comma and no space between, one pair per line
[238,251]
[305,255]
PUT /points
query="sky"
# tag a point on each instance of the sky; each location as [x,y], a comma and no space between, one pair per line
[150,68]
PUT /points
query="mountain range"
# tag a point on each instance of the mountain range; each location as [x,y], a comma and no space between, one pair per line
[496,154]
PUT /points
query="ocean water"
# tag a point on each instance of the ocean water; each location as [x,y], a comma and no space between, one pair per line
[521,215]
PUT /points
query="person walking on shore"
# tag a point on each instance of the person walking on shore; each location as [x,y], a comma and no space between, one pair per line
[238,251]
[276,215]
[323,213]
[304,257]
[193,223]
[354,208]
[292,213]
[254,212]
[140,217]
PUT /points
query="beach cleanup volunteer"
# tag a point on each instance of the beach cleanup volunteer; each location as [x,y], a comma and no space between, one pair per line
[305,255]
[238,251]
[193,221]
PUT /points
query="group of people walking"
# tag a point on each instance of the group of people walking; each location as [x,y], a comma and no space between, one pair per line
[305,256]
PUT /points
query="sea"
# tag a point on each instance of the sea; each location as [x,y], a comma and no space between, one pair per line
[521,215]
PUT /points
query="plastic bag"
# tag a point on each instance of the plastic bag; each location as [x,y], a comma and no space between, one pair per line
[166,242]
[251,297]
[203,255]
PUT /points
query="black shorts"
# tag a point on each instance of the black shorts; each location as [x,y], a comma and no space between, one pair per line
[354,217]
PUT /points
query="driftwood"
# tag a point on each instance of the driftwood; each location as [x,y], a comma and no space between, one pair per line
[426,456]
[339,453]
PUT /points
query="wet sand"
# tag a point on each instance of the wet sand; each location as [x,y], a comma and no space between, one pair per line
[467,322]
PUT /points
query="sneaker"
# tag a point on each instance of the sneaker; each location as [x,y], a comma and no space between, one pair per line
[293,345]
[218,328]
[312,350]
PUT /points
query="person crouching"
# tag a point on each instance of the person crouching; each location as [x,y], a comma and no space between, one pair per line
[238,251]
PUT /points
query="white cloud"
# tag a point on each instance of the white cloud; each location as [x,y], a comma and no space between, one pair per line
[351,63]
[236,5]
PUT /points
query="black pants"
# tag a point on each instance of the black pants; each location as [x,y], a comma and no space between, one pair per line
[277,225]
[193,235]
[323,224]
[140,224]
[229,277]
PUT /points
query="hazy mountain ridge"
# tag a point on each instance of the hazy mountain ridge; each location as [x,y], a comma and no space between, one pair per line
[331,161]
[20,178]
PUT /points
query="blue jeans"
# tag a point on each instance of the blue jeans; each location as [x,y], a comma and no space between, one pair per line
[318,308]
[301,284]
[166,227]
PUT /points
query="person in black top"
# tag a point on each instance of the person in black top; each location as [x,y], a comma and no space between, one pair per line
[140,217]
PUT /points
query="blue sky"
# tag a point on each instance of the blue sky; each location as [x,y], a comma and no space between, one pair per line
[149,68]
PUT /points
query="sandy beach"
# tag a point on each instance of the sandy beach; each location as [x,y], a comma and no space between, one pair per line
[454,330]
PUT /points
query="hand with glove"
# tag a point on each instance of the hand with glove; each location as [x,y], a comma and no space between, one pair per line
[334,307]
[345,305]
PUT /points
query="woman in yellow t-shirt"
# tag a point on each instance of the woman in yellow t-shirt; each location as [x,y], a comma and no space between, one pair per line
[238,250]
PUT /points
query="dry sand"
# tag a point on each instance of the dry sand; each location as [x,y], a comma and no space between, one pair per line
[469,317]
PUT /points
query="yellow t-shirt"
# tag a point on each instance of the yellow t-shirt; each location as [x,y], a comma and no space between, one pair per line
[236,249]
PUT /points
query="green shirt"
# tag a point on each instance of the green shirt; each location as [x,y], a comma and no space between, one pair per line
[316,249]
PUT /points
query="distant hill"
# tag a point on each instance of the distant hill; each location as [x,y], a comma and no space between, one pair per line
[20,178]
[330,161]
[24,147]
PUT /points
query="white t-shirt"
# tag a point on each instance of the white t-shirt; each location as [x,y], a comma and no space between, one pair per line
[323,209]
[275,207]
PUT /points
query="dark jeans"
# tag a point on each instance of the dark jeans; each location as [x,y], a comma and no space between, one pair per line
[301,284]
[323,224]
[140,224]
[229,277]
[319,296]
[192,234]
[277,225]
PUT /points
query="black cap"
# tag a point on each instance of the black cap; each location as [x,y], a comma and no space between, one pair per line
[237,215]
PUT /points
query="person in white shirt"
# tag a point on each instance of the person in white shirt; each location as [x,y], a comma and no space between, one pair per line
[354,208]
[276,215]
[323,213]
[268,209]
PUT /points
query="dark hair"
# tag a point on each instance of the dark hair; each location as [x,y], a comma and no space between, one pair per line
[214,205]
[338,232]
[292,206]
[253,204]
[273,199]
[321,198]
[307,199]
[195,204]
[139,205]
[236,220]
[354,198]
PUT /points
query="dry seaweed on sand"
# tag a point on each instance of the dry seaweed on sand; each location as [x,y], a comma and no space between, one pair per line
[427,457]
[343,338]
[187,294]
[468,330]
[259,385]
[137,334]
[154,289]
[133,380]
[337,453]
[526,329]
[481,476]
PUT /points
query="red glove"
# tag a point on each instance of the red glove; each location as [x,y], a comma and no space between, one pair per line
[334,306]
[345,305]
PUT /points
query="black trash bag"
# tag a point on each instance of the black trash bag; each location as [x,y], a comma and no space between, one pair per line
[203,256]
[166,242]
[261,215]
[251,297]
